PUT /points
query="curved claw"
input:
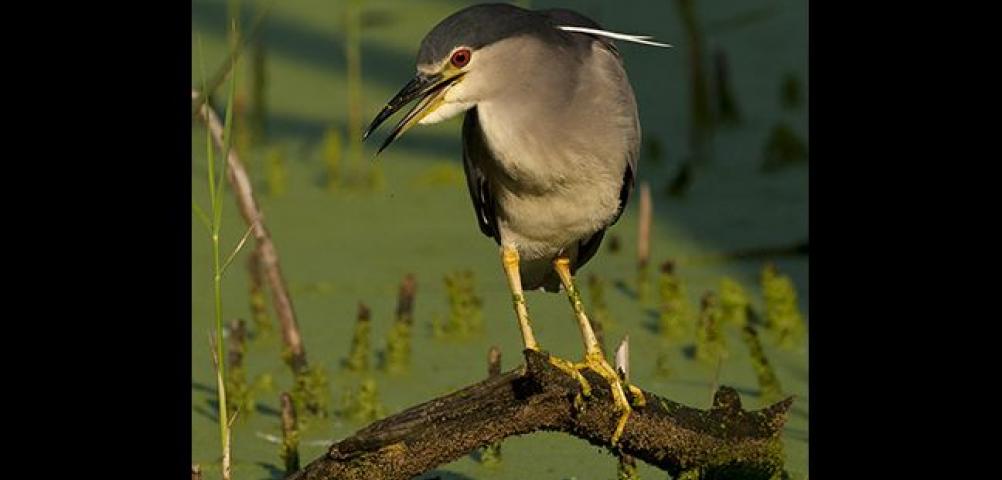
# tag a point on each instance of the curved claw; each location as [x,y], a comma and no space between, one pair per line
[637,396]
[597,363]
[572,370]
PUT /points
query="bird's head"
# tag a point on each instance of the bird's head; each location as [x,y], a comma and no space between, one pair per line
[471,56]
[486,51]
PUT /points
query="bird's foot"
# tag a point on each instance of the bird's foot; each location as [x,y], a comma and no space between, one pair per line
[572,369]
[637,398]
[597,363]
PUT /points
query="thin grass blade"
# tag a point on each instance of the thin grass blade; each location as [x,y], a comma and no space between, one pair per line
[201,215]
[237,249]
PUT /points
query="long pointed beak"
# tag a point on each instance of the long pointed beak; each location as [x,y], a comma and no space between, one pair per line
[427,88]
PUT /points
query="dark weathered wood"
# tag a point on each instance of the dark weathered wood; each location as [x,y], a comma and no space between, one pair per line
[491,455]
[722,442]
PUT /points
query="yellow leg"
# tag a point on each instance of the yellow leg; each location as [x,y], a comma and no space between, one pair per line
[594,358]
[509,260]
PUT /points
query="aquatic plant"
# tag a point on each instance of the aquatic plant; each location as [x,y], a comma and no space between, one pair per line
[710,343]
[362,404]
[398,340]
[782,315]
[465,307]
[311,391]
[240,395]
[673,304]
[733,302]
[768,383]
[358,356]
[289,450]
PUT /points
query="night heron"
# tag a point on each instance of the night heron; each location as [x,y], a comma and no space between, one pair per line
[550,146]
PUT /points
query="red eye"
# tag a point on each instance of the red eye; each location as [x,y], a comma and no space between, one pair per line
[460,58]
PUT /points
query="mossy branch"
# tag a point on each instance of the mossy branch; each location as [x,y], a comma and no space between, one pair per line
[722,442]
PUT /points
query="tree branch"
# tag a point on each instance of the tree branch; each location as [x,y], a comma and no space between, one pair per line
[723,442]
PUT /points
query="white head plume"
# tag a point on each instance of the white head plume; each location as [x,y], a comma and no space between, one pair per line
[642,39]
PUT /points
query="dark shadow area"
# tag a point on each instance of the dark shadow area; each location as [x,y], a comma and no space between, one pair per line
[274,473]
[201,387]
[650,322]
[625,289]
[266,410]
[323,49]
[261,408]
[689,351]
[207,413]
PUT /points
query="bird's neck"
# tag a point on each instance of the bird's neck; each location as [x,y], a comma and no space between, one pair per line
[520,138]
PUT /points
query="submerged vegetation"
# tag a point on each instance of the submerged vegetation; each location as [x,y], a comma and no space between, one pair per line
[362,404]
[311,391]
[397,356]
[768,383]
[782,315]
[734,302]
[674,317]
[358,356]
[710,341]
[465,307]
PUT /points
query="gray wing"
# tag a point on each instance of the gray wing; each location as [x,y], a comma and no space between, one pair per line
[589,247]
[562,16]
[476,154]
